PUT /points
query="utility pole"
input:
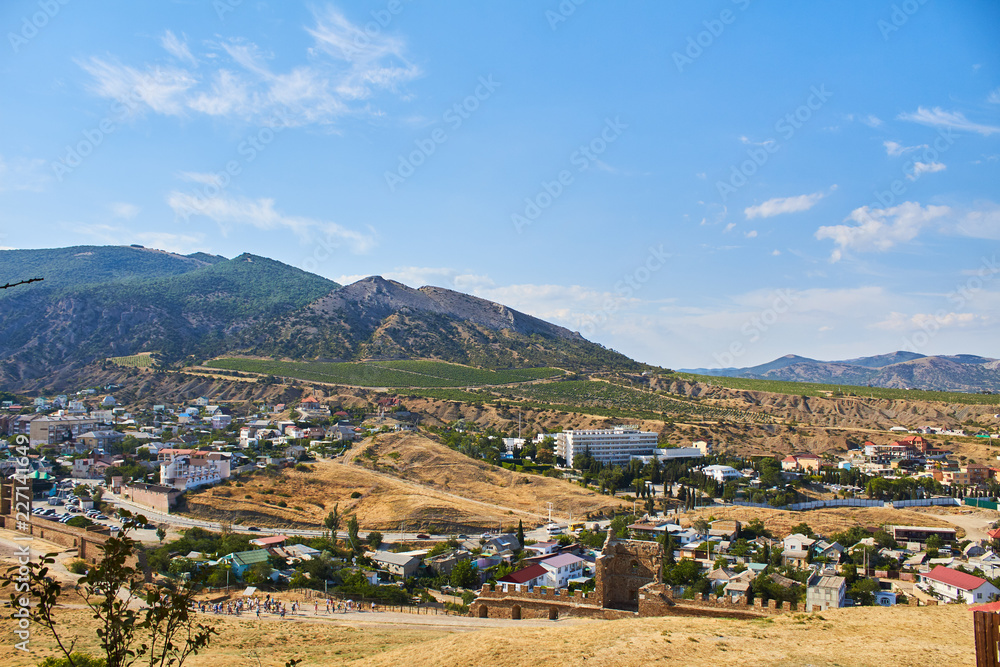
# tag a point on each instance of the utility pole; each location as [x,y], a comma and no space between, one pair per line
[550,512]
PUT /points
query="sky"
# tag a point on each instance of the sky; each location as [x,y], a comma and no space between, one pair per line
[706,184]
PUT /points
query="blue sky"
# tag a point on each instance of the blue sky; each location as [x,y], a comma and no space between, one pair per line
[706,184]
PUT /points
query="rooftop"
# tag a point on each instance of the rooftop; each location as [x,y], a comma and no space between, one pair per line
[525,575]
[945,575]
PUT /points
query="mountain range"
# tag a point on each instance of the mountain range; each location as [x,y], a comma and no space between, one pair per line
[105,301]
[900,370]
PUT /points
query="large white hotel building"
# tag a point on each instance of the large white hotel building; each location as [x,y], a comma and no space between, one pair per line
[616,445]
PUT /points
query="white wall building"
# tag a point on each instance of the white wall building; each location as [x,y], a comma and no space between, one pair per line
[560,569]
[722,474]
[616,445]
[187,469]
[958,586]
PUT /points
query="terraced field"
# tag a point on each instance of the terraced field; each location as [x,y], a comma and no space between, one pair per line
[835,390]
[141,360]
[614,400]
[404,373]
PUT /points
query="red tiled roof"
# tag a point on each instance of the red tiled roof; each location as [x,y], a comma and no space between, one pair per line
[955,578]
[994,534]
[525,575]
[992,606]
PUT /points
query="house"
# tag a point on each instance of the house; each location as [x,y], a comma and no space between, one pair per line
[956,586]
[885,598]
[973,550]
[803,461]
[500,543]
[737,588]
[903,534]
[722,474]
[560,569]
[524,579]
[269,541]
[542,548]
[400,565]
[831,552]
[720,577]
[241,561]
[795,550]
[827,592]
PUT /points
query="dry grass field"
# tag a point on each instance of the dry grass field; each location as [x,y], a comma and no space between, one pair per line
[405,478]
[863,636]
[826,521]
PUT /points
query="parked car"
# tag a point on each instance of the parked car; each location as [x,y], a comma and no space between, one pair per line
[423,536]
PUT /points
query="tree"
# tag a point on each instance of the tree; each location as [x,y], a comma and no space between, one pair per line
[375,539]
[332,522]
[802,529]
[464,575]
[162,632]
[520,533]
[160,533]
[259,573]
[862,592]
[352,533]
[701,525]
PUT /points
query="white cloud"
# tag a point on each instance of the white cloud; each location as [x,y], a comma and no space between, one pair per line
[124,210]
[994,97]
[780,205]
[776,252]
[177,48]
[981,222]
[230,212]
[925,168]
[895,149]
[113,235]
[881,229]
[342,69]
[752,234]
[938,117]
[871,120]
[22,174]
[897,321]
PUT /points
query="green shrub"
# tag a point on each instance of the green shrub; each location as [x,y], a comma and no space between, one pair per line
[78,566]
[355,494]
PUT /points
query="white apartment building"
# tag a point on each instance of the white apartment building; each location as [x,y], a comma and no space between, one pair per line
[188,469]
[615,445]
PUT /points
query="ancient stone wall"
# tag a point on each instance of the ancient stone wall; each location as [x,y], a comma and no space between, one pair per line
[624,567]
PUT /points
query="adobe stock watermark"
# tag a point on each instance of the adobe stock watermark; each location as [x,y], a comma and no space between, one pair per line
[565,9]
[454,117]
[21,505]
[898,17]
[248,149]
[625,289]
[959,297]
[704,39]
[30,26]
[786,127]
[755,327]
[581,158]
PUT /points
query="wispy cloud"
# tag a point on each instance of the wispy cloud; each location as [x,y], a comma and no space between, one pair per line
[956,120]
[925,168]
[341,71]
[880,229]
[124,210]
[894,149]
[230,212]
[22,174]
[994,97]
[780,205]
[177,47]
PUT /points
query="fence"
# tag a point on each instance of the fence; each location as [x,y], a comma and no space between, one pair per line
[986,627]
[863,502]
[985,503]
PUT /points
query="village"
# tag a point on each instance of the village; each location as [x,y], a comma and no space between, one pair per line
[91,456]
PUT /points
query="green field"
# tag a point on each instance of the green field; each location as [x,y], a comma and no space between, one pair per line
[134,360]
[839,390]
[385,373]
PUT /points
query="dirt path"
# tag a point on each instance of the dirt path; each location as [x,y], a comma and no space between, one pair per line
[975,523]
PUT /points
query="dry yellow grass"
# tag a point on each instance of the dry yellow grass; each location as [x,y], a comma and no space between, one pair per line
[862,636]
[826,521]
[412,479]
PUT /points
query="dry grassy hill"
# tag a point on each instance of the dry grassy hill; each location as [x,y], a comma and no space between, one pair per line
[860,636]
[407,478]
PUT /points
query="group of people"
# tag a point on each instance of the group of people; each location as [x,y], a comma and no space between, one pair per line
[271,605]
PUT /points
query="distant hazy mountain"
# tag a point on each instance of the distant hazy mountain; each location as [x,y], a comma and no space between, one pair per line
[904,370]
[97,302]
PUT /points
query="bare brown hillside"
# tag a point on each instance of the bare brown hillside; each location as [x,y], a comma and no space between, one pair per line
[406,478]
